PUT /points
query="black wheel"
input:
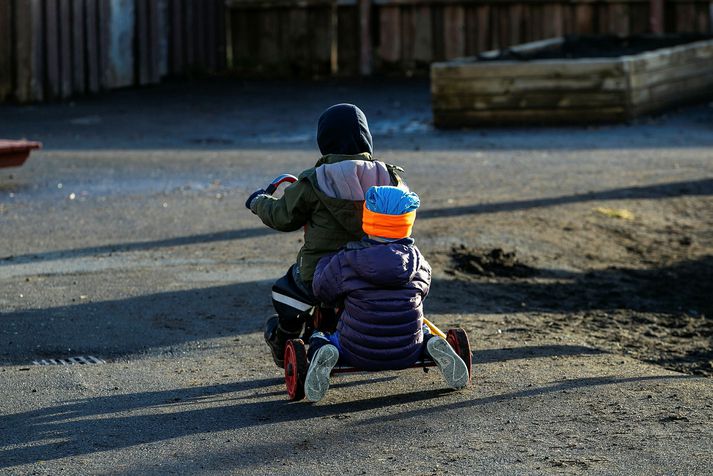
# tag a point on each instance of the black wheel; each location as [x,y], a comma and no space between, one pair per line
[458,339]
[295,369]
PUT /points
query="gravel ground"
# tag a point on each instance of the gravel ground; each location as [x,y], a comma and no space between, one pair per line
[578,259]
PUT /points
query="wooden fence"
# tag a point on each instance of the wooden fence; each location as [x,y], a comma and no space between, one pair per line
[57,48]
[52,49]
[347,37]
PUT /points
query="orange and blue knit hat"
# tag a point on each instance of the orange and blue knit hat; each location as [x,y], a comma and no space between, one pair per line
[389,212]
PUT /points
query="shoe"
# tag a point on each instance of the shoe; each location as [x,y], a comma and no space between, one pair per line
[276,338]
[452,367]
[317,380]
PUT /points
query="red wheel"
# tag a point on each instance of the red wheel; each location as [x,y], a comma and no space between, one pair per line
[295,369]
[458,339]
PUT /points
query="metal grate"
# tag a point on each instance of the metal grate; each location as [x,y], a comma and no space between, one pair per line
[79,360]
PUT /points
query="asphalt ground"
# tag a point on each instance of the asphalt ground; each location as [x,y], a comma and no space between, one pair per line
[126,239]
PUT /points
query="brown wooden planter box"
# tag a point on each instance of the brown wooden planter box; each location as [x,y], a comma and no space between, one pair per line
[14,153]
[472,92]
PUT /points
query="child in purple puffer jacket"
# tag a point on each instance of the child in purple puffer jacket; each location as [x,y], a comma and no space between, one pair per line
[380,283]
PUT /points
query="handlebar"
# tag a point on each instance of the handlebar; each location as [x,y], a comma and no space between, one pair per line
[278,181]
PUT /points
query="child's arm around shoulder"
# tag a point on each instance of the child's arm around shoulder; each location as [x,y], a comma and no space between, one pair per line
[289,212]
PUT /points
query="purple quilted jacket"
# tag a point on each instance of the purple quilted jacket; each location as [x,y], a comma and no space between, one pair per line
[383,287]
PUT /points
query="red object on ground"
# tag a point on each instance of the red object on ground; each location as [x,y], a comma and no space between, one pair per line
[14,153]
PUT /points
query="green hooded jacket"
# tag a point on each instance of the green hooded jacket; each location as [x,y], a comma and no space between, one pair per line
[327,200]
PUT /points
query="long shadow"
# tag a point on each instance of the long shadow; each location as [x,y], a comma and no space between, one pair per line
[133,325]
[701,187]
[528,393]
[139,245]
[174,415]
[487,356]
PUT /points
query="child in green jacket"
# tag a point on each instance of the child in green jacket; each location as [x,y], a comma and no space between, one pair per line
[327,200]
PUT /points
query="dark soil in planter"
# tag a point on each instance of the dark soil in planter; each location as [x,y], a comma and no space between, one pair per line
[597,46]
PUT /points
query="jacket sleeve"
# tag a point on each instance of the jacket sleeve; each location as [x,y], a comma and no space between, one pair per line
[423,276]
[327,282]
[289,212]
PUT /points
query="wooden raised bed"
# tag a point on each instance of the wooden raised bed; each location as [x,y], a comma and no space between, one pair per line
[530,84]
[14,153]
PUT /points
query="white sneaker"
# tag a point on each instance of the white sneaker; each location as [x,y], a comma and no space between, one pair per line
[452,367]
[317,380]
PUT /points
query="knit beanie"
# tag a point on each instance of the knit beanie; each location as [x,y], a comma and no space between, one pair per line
[389,212]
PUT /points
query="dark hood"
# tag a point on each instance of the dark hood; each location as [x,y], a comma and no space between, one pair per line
[342,129]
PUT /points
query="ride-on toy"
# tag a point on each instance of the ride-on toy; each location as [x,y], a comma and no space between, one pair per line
[14,153]
[296,364]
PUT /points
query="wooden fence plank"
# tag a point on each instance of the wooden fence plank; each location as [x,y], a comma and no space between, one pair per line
[118,43]
[702,17]
[619,18]
[221,34]
[30,48]
[211,35]
[438,37]
[408,35]
[348,41]
[639,19]
[141,40]
[296,35]
[320,47]
[534,29]
[6,44]
[78,47]
[515,27]
[104,26]
[423,30]
[65,47]
[572,69]
[544,100]
[583,19]
[199,32]
[686,17]
[471,30]
[53,77]
[499,26]
[484,42]
[164,37]
[188,33]
[269,52]
[656,16]
[553,20]
[154,37]
[390,34]
[366,53]
[91,28]
[446,119]
[454,29]
[333,39]
[175,9]
[601,16]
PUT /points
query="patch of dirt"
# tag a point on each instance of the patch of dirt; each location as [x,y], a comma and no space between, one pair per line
[662,315]
[494,262]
